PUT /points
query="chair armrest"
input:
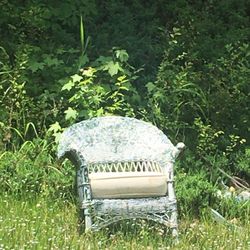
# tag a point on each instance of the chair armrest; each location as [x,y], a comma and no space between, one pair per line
[178,149]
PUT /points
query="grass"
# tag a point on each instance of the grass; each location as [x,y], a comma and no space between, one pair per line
[43,223]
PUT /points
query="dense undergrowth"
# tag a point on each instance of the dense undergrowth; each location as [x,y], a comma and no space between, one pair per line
[32,171]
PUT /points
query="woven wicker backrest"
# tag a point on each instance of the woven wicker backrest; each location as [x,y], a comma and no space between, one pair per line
[109,140]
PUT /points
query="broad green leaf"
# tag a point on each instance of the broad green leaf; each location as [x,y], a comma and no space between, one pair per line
[89,72]
[68,86]
[76,78]
[122,55]
[55,127]
[70,113]
[35,66]
[112,68]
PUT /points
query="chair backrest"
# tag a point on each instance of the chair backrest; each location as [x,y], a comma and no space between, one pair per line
[112,139]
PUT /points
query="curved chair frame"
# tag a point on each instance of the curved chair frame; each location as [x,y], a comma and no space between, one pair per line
[112,144]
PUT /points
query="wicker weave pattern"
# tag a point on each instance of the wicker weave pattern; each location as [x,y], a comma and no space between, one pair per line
[117,139]
[105,211]
[121,144]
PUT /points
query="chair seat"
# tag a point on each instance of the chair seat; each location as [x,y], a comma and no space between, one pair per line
[128,184]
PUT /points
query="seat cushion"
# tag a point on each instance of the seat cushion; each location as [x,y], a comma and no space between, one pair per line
[128,184]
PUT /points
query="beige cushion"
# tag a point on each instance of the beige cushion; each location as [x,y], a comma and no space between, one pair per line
[128,184]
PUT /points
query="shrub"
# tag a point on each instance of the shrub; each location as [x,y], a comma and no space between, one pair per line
[194,192]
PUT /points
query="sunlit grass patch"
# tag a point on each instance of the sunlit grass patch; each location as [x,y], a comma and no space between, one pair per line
[42,223]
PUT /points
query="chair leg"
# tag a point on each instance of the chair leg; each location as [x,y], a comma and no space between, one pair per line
[174,228]
[175,232]
[175,235]
[88,221]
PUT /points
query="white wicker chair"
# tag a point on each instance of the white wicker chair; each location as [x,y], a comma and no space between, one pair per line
[124,170]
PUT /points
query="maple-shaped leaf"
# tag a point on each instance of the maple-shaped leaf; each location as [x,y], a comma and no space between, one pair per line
[122,55]
[35,66]
[76,78]
[70,113]
[68,86]
[55,127]
[52,61]
[112,67]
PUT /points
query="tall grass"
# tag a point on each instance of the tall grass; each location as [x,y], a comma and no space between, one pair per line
[41,223]
[38,210]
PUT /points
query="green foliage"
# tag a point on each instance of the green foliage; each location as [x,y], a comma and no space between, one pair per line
[181,95]
[134,26]
[232,208]
[204,70]
[242,164]
[31,171]
[229,92]
[194,192]
[105,87]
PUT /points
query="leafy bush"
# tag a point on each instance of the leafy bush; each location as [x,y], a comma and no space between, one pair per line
[103,88]
[194,190]
[194,193]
